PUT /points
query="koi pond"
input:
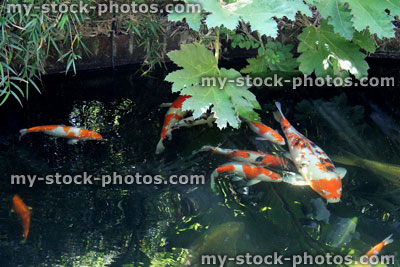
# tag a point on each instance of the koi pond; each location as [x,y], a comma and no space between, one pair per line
[176,224]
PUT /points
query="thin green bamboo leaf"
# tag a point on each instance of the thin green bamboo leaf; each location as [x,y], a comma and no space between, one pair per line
[18,88]
[5,97]
[34,85]
[17,98]
[8,67]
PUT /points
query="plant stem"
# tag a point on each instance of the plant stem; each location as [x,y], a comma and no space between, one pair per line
[217,44]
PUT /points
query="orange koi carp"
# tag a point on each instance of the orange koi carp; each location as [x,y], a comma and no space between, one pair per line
[378,248]
[312,162]
[247,156]
[364,261]
[23,212]
[266,133]
[174,114]
[72,133]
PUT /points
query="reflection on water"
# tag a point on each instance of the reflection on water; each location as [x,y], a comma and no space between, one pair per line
[149,225]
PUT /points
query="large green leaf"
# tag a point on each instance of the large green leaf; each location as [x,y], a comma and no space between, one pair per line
[192,19]
[325,52]
[196,61]
[337,15]
[227,103]
[372,14]
[364,40]
[259,13]
[275,58]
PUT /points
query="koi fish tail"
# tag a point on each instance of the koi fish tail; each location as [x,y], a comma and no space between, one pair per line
[388,240]
[160,146]
[22,133]
[278,115]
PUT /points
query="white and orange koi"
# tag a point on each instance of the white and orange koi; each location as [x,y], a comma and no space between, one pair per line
[266,133]
[247,156]
[23,212]
[72,133]
[174,114]
[312,163]
[254,174]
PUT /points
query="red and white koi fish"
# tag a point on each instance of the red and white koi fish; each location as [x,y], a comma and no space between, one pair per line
[252,157]
[311,161]
[174,114]
[23,212]
[254,174]
[266,133]
[72,133]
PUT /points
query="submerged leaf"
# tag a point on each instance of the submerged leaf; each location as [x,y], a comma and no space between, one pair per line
[343,231]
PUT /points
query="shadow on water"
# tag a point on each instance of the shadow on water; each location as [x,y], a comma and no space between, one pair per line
[171,225]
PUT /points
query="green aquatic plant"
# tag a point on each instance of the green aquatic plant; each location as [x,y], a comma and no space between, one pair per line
[273,58]
[390,172]
[342,231]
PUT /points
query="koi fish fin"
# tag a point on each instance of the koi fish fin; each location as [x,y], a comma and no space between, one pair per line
[237,178]
[253,182]
[278,115]
[341,172]
[168,134]
[286,155]
[22,133]
[72,141]
[295,179]
[388,240]
[210,120]
[165,105]
[160,147]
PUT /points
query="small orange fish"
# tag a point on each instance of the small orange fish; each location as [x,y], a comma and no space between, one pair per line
[377,248]
[23,211]
[72,133]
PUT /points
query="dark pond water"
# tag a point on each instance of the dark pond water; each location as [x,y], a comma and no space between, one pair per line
[171,225]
